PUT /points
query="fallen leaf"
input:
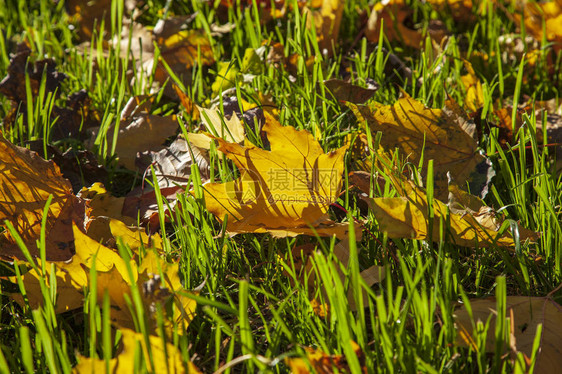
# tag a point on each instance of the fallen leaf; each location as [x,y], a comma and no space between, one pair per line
[160,284]
[528,313]
[66,121]
[144,132]
[144,205]
[287,188]
[229,129]
[549,12]
[346,91]
[474,98]
[181,49]
[172,165]
[26,182]
[408,217]
[93,13]
[103,204]
[13,85]
[157,279]
[188,105]
[396,17]
[437,134]
[156,358]
[317,361]
[134,237]
[327,21]
[73,276]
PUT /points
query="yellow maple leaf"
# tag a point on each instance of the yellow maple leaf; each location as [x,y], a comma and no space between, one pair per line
[26,182]
[158,280]
[282,191]
[72,276]
[155,357]
[436,134]
[408,217]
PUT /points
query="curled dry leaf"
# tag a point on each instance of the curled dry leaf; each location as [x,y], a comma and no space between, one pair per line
[526,313]
[283,190]
[229,129]
[440,135]
[172,165]
[166,359]
[26,182]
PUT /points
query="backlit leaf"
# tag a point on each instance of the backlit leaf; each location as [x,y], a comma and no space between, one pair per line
[437,134]
[26,182]
[408,217]
[286,189]
[155,357]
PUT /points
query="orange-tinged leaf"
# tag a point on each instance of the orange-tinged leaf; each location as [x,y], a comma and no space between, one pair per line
[181,51]
[26,182]
[474,99]
[161,284]
[166,359]
[407,217]
[528,313]
[287,188]
[134,237]
[437,134]
[551,13]
[393,14]
[317,361]
[73,276]
[327,21]
[103,204]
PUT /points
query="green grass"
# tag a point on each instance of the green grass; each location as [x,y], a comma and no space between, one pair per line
[253,308]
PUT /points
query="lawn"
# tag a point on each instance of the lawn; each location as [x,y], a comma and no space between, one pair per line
[301,186]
